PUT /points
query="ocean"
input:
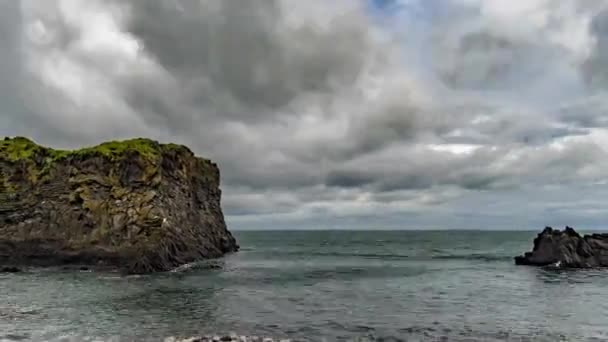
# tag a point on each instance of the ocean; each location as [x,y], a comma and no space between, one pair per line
[322,286]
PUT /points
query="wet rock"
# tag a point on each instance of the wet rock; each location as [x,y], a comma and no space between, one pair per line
[566,249]
[10,269]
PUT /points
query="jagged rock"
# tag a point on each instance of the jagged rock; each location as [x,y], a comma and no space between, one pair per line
[10,269]
[567,249]
[137,205]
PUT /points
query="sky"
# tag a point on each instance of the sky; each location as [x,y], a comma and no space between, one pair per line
[346,114]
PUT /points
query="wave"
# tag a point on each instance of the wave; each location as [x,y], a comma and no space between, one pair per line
[488,257]
[13,337]
[474,256]
[345,254]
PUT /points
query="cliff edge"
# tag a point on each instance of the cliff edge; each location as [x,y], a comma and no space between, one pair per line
[137,205]
[567,249]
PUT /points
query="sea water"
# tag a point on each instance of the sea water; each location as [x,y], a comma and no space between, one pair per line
[322,286]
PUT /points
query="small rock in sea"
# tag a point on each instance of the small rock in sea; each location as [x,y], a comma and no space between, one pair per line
[226,338]
[84,268]
[566,249]
[9,269]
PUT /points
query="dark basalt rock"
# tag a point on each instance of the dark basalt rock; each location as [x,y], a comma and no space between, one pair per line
[10,269]
[567,249]
[137,205]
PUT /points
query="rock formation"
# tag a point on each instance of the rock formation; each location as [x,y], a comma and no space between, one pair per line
[567,249]
[137,205]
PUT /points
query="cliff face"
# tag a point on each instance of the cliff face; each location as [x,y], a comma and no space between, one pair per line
[138,205]
[567,249]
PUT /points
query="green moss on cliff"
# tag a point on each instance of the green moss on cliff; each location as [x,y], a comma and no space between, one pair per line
[23,149]
[40,161]
[18,148]
[146,148]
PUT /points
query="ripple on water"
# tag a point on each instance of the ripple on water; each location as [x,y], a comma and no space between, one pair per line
[308,286]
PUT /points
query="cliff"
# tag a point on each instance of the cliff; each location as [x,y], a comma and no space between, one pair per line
[567,249]
[137,205]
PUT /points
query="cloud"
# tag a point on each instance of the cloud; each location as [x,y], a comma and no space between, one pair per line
[10,67]
[319,111]
[594,67]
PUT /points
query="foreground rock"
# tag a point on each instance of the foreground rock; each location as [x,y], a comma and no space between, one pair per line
[137,205]
[567,249]
[9,269]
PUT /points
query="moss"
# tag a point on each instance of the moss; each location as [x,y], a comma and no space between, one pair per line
[41,160]
[119,193]
[5,184]
[146,148]
[20,148]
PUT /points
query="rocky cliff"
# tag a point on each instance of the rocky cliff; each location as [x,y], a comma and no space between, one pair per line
[567,249]
[137,205]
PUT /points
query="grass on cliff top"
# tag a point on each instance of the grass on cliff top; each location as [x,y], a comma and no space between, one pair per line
[146,148]
[20,148]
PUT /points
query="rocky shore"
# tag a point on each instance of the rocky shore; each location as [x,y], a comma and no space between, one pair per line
[137,205]
[567,249]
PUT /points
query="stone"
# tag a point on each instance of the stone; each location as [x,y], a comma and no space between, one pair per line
[9,269]
[566,249]
[136,205]
[118,220]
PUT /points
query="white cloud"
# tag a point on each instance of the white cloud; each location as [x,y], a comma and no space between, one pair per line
[315,110]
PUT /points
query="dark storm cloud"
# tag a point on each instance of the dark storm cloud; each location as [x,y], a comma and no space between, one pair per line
[348,179]
[241,53]
[594,68]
